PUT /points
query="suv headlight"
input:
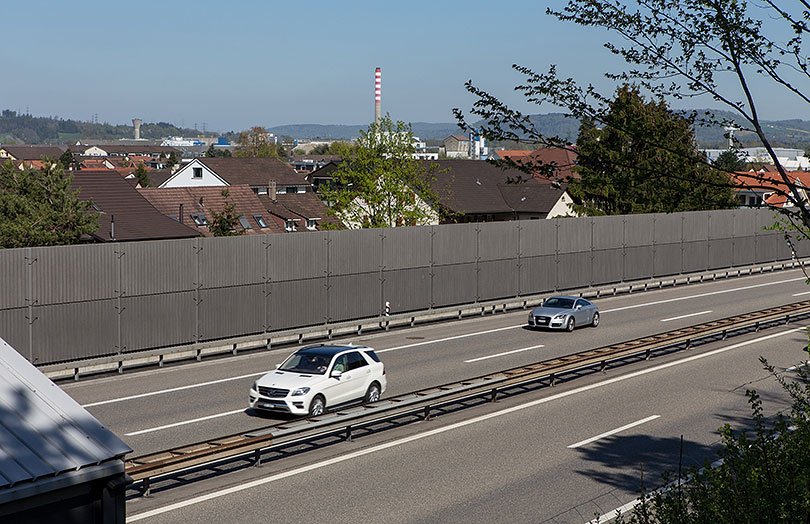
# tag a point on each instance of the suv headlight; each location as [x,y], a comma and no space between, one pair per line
[300,391]
[255,385]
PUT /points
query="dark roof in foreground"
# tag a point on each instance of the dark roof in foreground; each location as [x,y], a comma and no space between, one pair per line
[27,152]
[300,205]
[44,433]
[476,187]
[135,217]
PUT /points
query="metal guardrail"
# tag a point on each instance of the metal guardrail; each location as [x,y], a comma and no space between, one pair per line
[420,403]
[326,331]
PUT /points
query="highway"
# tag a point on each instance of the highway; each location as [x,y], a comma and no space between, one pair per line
[485,463]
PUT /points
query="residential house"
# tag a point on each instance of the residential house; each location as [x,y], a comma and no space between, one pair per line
[304,164]
[257,173]
[20,153]
[195,207]
[299,211]
[545,163]
[123,214]
[758,188]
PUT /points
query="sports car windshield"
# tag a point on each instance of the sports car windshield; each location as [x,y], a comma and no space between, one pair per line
[306,363]
[562,303]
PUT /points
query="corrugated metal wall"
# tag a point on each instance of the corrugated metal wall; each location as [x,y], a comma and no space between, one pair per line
[73,302]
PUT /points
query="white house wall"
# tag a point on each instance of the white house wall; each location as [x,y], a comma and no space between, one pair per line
[562,208]
[185,177]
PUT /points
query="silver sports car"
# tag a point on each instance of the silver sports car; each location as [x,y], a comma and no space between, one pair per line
[564,313]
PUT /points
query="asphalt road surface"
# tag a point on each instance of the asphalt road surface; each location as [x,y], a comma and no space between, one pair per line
[527,458]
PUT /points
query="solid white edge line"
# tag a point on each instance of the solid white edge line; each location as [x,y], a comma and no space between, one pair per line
[446,339]
[171,390]
[686,316]
[437,431]
[613,431]
[504,353]
[183,423]
[802,293]
[621,510]
[722,291]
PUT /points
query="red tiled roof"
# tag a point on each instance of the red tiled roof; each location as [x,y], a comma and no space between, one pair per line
[202,200]
[772,183]
[135,217]
[300,205]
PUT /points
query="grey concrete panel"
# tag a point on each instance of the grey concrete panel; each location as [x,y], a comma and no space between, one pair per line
[538,237]
[14,278]
[802,247]
[157,320]
[607,266]
[538,274]
[744,251]
[696,226]
[92,329]
[497,279]
[233,261]
[455,243]
[14,329]
[721,253]
[765,218]
[232,311]
[767,247]
[574,235]
[297,303]
[454,284]
[639,229]
[74,273]
[573,270]
[498,240]
[639,262]
[159,266]
[406,247]
[668,228]
[608,232]
[783,251]
[407,289]
[667,260]
[297,256]
[352,252]
[695,256]
[746,223]
[721,224]
[355,296]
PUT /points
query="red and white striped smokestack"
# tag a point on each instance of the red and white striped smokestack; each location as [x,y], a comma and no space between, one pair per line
[377,83]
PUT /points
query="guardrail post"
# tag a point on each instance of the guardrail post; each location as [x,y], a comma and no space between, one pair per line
[647,354]
[267,345]
[257,458]
[233,350]
[76,374]
[120,367]
[413,319]
[756,328]
[602,366]
[146,489]
[359,330]
[494,397]
[552,379]
[160,361]
[300,337]
[426,416]
[459,314]
[349,432]
[725,335]
[199,355]
[787,319]
[688,343]
[329,333]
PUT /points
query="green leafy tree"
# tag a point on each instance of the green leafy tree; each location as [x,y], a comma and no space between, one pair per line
[379,183]
[225,224]
[674,50]
[142,176]
[171,161]
[256,143]
[212,152]
[622,174]
[39,208]
[729,161]
[67,161]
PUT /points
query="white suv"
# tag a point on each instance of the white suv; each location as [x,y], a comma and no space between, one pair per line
[315,377]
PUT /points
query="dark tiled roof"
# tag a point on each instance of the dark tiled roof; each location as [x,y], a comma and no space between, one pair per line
[27,152]
[135,217]
[300,205]
[563,160]
[168,199]
[477,187]
[254,172]
[159,176]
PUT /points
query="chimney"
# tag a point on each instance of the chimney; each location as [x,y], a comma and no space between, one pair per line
[377,95]
[271,190]
[181,213]
[137,123]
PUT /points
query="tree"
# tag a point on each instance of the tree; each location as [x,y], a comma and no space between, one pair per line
[225,224]
[621,175]
[678,49]
[39,208]
[378,181]
[142,176]
[255,143]
[729,161]
[67,161]
[212,152]
[172,160]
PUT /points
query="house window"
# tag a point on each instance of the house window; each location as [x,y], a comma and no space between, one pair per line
[311,224]
[291,189]
[197,172]
[289,224]
[199,219]
[244,221]
[260,220]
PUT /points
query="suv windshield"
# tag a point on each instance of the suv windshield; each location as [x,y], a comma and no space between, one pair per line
[562,303]
[303,362]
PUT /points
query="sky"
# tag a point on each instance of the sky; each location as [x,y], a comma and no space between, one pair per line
[233,65]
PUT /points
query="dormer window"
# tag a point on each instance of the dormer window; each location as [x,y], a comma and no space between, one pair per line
[196,172]
[260,220]
[311,224]
[289,224]
[199,219]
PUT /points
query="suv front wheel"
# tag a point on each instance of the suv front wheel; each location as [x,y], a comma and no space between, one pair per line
[373,393]
[317,407]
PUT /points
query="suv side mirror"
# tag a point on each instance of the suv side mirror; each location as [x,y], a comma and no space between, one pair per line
[579,307]
[336,374]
